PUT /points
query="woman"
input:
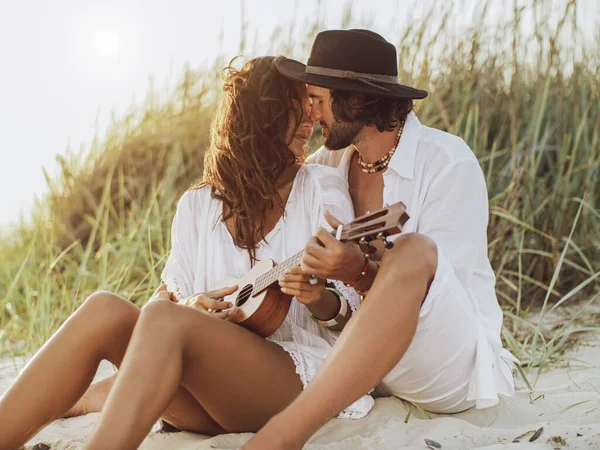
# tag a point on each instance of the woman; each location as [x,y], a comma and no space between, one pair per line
[195,369]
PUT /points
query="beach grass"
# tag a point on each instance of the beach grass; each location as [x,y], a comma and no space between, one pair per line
[527,104]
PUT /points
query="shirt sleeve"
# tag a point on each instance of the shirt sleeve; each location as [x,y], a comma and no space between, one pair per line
[455,215]
[179,270]
[332,195]
[317,157]
[325,157]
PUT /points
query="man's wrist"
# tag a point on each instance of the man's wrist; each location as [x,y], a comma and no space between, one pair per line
[358,267]
[365,283]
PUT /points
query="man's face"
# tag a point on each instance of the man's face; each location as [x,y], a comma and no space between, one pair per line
[338,135]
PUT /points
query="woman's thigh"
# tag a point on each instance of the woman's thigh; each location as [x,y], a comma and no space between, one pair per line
[238,377]
[186,414]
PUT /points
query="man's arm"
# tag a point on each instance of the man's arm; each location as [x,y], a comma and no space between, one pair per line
[455,216]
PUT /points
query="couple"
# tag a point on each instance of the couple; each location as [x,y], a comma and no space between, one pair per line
[428,326]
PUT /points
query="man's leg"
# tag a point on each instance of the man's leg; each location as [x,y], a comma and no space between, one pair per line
[435,373]
[388,315]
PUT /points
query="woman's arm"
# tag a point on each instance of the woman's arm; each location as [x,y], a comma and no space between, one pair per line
[161,292]
[324,303]
[207,302]
[178,273]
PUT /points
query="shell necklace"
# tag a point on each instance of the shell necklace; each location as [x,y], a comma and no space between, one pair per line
[383,162]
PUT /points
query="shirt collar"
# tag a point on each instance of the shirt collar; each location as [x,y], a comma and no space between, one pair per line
[345,162]
[403,160]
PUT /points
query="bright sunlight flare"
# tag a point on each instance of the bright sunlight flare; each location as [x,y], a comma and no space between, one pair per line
[106,43]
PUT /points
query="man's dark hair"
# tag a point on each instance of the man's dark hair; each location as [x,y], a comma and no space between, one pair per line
[385,113]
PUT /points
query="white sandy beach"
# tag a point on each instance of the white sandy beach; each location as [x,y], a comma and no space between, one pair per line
[566,403]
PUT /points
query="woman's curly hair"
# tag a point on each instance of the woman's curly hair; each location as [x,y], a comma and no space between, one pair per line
[248,150]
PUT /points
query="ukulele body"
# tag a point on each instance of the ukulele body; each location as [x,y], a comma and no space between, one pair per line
[262,313]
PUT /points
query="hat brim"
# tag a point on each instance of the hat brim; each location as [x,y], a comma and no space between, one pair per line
[295,70]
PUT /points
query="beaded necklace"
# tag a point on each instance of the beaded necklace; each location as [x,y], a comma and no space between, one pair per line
[383,162]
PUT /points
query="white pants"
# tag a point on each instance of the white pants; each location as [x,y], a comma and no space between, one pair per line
[435,371]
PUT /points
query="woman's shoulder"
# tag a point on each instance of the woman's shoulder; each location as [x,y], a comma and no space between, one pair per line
[327,189]
[323,177]
[195,199]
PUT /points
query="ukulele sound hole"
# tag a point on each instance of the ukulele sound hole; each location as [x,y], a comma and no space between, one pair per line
[244,295]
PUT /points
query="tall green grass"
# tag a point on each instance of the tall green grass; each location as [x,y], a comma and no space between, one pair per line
[528,107]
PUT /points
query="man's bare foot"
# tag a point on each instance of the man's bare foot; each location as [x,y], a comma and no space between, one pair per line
[94,398]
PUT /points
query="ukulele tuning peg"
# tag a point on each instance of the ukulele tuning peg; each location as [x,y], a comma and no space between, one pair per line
[367,244]
[388,244]
[381,236]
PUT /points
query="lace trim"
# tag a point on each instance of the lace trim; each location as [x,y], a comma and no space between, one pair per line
[356,410]
[172,284]
[300,369]
[353,415]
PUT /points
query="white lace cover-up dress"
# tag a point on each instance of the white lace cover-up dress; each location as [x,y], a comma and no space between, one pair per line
[203,253]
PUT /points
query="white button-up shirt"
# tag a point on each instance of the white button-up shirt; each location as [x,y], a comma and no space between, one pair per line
[438,178]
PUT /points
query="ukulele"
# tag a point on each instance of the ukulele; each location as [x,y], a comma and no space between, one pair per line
[262,307]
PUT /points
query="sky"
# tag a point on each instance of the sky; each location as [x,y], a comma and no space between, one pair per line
[67,65]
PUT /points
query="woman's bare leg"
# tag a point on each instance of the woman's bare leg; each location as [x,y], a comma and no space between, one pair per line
[409,269]
[93,399]
[184,412]
[64,367]
[238,377]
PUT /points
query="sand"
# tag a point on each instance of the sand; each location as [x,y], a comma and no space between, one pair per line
[566,404]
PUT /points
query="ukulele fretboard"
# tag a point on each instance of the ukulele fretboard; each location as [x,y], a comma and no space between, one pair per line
[270,277]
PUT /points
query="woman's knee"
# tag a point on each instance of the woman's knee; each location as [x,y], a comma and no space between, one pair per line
[108,308]
[161,314]
[174,322]
[159,308]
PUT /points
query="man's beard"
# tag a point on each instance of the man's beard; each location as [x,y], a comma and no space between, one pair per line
[342,134]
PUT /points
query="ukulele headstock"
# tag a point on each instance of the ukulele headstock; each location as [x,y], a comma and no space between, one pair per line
[376,225]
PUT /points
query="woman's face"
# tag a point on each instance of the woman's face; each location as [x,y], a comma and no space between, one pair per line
[302,135]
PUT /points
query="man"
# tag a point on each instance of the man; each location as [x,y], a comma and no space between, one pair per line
[428,330]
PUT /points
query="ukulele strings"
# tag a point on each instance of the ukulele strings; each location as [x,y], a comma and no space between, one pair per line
[268,278]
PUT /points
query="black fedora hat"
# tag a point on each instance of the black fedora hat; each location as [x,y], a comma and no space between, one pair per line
[351,60]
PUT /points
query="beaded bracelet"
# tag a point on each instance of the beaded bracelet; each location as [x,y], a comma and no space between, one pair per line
[362,273]
[363,293]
